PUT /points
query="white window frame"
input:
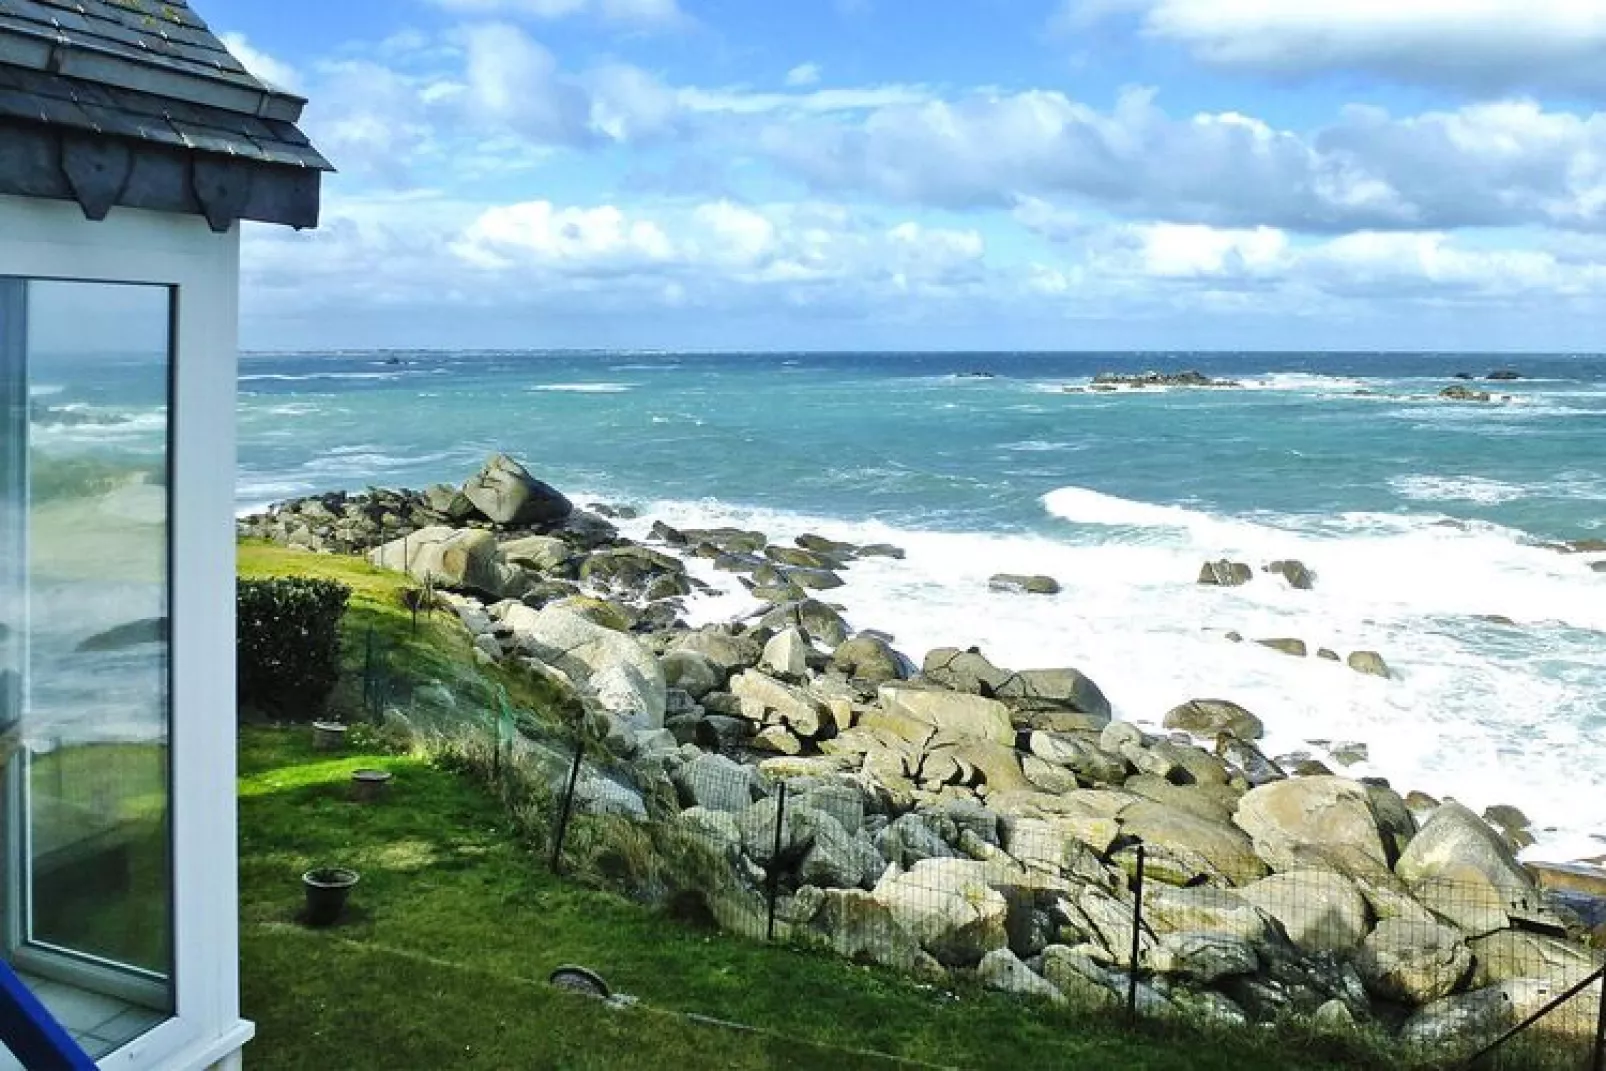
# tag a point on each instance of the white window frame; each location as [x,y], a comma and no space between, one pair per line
[53,240]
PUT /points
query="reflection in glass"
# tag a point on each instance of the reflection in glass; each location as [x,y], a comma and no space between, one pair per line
[91,649]
[13,470]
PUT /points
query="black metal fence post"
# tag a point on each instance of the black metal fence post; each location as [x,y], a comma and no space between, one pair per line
[370,698]
[565,806]
[774,882]
[1599,1062]
[1137,930]
[496,749]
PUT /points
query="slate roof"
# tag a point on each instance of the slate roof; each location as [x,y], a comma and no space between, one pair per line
[84,82]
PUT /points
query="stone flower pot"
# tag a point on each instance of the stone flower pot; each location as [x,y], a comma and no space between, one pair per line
[369,785]
[327,889]
[328,735]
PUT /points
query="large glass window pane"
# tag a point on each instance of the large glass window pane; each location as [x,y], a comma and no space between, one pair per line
[84,657]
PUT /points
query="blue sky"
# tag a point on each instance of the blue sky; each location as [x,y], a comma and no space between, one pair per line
[1032,174]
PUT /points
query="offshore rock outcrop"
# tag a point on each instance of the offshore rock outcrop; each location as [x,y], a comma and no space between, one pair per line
[1187,378]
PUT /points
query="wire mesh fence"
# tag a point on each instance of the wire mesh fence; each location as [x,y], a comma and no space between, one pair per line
[1479,967]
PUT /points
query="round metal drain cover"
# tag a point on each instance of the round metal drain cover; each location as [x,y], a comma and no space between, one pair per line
[580,980]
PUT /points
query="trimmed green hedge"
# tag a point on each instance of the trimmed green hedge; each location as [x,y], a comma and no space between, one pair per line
[288,645]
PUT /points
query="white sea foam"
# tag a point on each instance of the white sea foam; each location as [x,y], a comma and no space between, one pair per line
[44,390]
[119,427]
[1082,506]
[290,378]
[1478,711]
[585,388]
[1040,446]
[1431,409]
[1485,492]
[360,461]
[1575,484]
[1306,381]
[255,494]
[343,466]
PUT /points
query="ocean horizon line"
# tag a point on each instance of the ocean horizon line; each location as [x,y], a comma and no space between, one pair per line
[914,352]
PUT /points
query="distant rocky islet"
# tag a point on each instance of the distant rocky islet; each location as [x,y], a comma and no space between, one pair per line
[953,814]
[1192,379]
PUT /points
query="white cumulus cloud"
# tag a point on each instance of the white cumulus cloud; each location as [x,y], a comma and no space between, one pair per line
[804,74]
[1507,163]
[1478,45]
[423,256]
[1188,250]
[274,72]
[541,232]
[513,80]
[635,13]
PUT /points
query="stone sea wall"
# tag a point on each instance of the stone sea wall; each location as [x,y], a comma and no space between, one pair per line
[946,814]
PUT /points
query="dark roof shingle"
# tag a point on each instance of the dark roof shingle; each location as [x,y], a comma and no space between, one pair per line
[161,34]
[152,73]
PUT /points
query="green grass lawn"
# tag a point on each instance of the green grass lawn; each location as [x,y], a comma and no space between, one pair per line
[456,925]
[100,841]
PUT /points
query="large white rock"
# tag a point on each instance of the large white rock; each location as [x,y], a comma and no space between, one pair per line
[1001,969]
[1204,909]
[765,699]
[1078,977]
[858,926]
[1464,871]
[1203,957]
[1413,963]
[1512,954]
[947,905]
[541,553]
[786,654]
[1110,923]
[1321,911]
[1211,717]
[1325,822]
[1185,847]
[622,674]
[997,765]
[1088,816]
[730,653]
[506,493]
[1456,1026]
[694,673]
[452,558]
[951,713]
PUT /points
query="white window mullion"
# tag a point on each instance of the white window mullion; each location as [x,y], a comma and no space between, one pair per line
[13,600]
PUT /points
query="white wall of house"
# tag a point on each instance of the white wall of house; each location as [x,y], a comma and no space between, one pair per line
[53,240]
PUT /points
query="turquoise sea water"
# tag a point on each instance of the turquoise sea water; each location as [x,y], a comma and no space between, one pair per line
[901,438]
[1349,462]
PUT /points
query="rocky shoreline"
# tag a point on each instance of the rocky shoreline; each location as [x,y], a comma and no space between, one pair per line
[952,815]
